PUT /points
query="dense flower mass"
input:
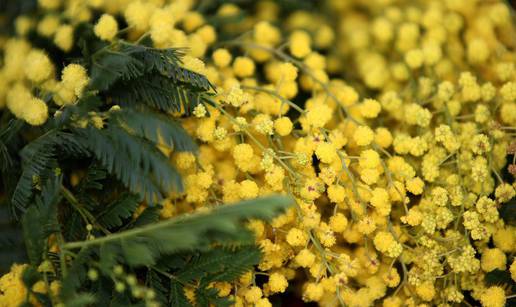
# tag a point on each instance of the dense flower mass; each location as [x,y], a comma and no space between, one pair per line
[392,123]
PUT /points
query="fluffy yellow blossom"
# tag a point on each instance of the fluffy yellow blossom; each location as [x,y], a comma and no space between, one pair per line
[277,283]
[363,136]
[221,57]
[106,28]
[493,297]
[253,294]
[36,112]
[336,193]
[38,66]
[338,222]
[493,258]
[64,37]
[138,14]
[297,237]
[318,117]
[313,292]
[370,108]
[305,258]
[75,78]
[248,189]
[426,291]
[243,67]
[283,126]
[326,152]
[385,243]
[300,43]
[12,289]
[415,186]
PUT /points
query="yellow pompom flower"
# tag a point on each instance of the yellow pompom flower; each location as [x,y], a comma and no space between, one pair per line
[12,288]
[414,58]
[75,78]
[243,67]
[426,291]
[64,37]
[326,152]
[253,294]
[300,43]
[305,258]
[106,28]
[415,185]
[493,297]
[277,283]
[248,189]
[38,66]
[221,57]
[492,259]
[363,135]
[297,237]
[36,112]
[313,292]
[283,126]
[370,108]
[138,14]
[49,4]
[338,222]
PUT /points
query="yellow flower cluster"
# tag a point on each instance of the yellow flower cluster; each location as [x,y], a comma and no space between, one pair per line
[13,291]
[391,130]
[392,144]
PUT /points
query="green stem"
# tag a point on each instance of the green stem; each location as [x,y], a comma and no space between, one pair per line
[86,215]
[273,93]
[285,57]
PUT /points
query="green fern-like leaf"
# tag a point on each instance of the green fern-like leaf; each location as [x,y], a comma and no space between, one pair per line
[115,213]
[33,234]
[154,127]
[158,92]
[177,295]
[39,160]
[137,163]
[191,232]
[113,66]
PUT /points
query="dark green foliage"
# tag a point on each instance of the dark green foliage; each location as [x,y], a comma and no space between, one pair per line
[38,159]
[79,180]
[156,128]
[136,74]
[39,221]
[115,213]
[195,231]
[136,162]
[177,252]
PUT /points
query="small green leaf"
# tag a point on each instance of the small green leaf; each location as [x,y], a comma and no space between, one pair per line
[33,235]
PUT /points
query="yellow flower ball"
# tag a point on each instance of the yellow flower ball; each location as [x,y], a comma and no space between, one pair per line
[492,259]
[493,297]
[75,78]
[64,37]
[221,57]
[38,66]
[36,113]
[243,67]
[277,283]
[300,43]
[363,135]
[283,126]
[106,28]
[370,108]
[248,189]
